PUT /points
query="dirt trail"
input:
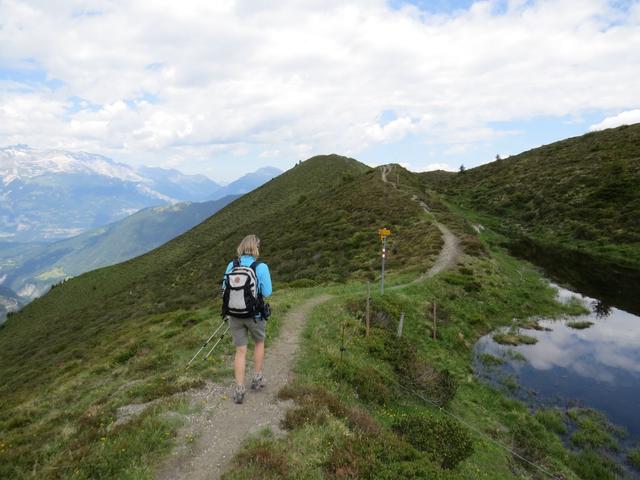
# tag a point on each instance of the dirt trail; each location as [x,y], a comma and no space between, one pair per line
[222,426]
[450,251]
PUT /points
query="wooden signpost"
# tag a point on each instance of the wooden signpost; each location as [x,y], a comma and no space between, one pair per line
[384,233]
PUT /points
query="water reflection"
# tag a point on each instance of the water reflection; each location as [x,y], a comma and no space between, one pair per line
[599,366]
[600,309]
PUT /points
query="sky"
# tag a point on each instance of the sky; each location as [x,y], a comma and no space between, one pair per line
[228,86]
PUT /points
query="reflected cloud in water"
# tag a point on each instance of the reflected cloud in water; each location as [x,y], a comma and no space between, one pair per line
[598,366]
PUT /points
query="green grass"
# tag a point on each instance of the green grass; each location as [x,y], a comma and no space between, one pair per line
[514,338]
[594,431]
[515,355]
[387,366]
[64,429]
[579,325]
[491,360]
[553,419]
[634,458]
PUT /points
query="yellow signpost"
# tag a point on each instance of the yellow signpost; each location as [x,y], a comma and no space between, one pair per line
[384,233]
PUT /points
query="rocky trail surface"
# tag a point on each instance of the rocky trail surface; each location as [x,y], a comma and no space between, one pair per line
[221,426]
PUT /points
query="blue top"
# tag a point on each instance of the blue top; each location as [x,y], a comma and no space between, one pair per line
[262,272]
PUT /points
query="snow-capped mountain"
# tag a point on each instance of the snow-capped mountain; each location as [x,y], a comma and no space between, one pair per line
[53,194]
[20,162]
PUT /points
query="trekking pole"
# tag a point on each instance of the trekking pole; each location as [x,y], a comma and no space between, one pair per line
[216,344]
[205,343]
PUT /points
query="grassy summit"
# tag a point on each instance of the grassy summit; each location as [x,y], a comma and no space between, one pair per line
[121,334]
[580,192]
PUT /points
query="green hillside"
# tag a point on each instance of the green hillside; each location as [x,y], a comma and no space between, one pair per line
[583,190]
[120,334]
[577,199]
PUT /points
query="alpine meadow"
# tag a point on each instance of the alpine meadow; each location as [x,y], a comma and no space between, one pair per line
[367,403]
[320,240]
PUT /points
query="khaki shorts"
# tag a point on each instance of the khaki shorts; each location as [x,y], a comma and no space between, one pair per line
[241,327]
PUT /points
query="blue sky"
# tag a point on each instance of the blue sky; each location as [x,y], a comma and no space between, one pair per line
[434,6]
[223,88]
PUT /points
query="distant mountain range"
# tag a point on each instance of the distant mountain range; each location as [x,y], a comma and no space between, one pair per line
[247,183]
[28,270]
[49,195]
[65,213]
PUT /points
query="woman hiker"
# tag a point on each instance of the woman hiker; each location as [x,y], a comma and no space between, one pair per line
[247,268]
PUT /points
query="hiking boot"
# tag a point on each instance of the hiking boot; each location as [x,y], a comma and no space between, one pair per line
[238,394]
[258,382]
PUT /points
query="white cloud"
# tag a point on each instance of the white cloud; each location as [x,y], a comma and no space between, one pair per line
[196,79]
[624,118]
[438,166]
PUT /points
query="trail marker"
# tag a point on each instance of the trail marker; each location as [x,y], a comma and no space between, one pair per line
[384,233]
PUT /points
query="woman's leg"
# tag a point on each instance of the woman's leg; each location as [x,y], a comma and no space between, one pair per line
[239,364]
[258,357]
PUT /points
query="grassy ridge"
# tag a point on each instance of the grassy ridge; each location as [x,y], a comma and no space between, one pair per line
[580,194]
[122,334]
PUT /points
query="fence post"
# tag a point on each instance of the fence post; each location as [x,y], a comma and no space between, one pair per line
[400,324]
[368,311]
[342,347]
[435,322]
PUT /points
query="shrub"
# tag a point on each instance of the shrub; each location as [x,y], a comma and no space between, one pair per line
[370,386]
[315,406]
[414,373]
[442,389]
[304,415]
[384,311]
[265,459]
[380,457]
[442,439]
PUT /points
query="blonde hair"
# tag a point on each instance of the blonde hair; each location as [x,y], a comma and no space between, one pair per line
[250,245]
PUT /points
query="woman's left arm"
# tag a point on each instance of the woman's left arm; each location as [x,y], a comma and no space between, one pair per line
[264,277]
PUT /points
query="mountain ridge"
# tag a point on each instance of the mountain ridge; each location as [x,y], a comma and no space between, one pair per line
[247,182]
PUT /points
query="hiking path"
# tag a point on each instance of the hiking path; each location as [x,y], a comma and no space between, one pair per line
[219,427]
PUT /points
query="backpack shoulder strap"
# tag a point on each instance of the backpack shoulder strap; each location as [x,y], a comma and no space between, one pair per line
[236,263]
[254,265]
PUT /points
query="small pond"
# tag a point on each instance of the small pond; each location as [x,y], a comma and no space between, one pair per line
[596,367]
